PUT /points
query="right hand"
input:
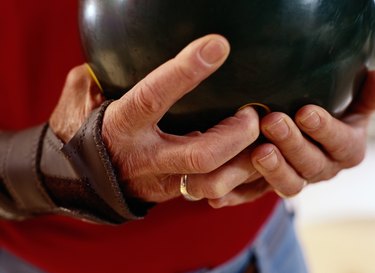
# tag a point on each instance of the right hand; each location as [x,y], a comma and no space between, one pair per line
[150,161]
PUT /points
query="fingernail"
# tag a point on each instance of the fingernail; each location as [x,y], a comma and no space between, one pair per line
[213,51]
[311,121]
[279,130]
[270,161]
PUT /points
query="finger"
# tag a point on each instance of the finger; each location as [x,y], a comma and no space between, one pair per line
[268,161]
[79,97]
[306,158]
[242,194]
[223,180]
[148,101]
[340,140]
[203,153]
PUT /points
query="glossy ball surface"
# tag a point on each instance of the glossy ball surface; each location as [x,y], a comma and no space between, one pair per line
[284,54]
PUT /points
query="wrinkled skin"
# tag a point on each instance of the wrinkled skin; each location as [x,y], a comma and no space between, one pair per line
[223,165]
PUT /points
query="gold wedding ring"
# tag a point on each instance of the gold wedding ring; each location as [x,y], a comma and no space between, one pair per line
[183,189]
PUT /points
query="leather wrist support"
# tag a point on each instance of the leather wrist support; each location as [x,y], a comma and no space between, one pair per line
[39,174]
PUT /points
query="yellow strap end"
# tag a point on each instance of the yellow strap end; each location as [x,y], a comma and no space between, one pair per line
[93,76]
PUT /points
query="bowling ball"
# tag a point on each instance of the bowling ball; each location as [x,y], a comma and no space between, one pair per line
[284,54]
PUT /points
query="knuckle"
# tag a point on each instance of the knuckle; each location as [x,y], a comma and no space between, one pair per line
[257,189]
[185,74]
[200,160]
[115,122]
[213,190]
[295,147]
[315,169]
[76,77]
[353,160]
[343,153]
[327,175]
[339,150]
[148,99]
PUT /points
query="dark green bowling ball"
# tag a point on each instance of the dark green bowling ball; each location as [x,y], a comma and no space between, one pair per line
[285,53]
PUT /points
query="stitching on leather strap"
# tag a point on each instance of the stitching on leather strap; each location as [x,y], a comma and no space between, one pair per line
[108,165]
[88,156]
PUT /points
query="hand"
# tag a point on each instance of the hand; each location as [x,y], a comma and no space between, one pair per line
[316,147]
[149,161]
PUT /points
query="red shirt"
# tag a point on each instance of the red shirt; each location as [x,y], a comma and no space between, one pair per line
[39,45]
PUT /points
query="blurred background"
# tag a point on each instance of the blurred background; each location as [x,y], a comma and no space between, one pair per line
[336,219]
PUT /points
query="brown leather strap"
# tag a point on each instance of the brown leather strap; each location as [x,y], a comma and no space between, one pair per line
[20,171]
[8,209]
[89,158]
[82,166]
[41,174]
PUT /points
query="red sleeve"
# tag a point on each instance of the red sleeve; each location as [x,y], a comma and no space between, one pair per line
[40,44]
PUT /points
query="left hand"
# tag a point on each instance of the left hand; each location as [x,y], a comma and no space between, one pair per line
[312,148]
